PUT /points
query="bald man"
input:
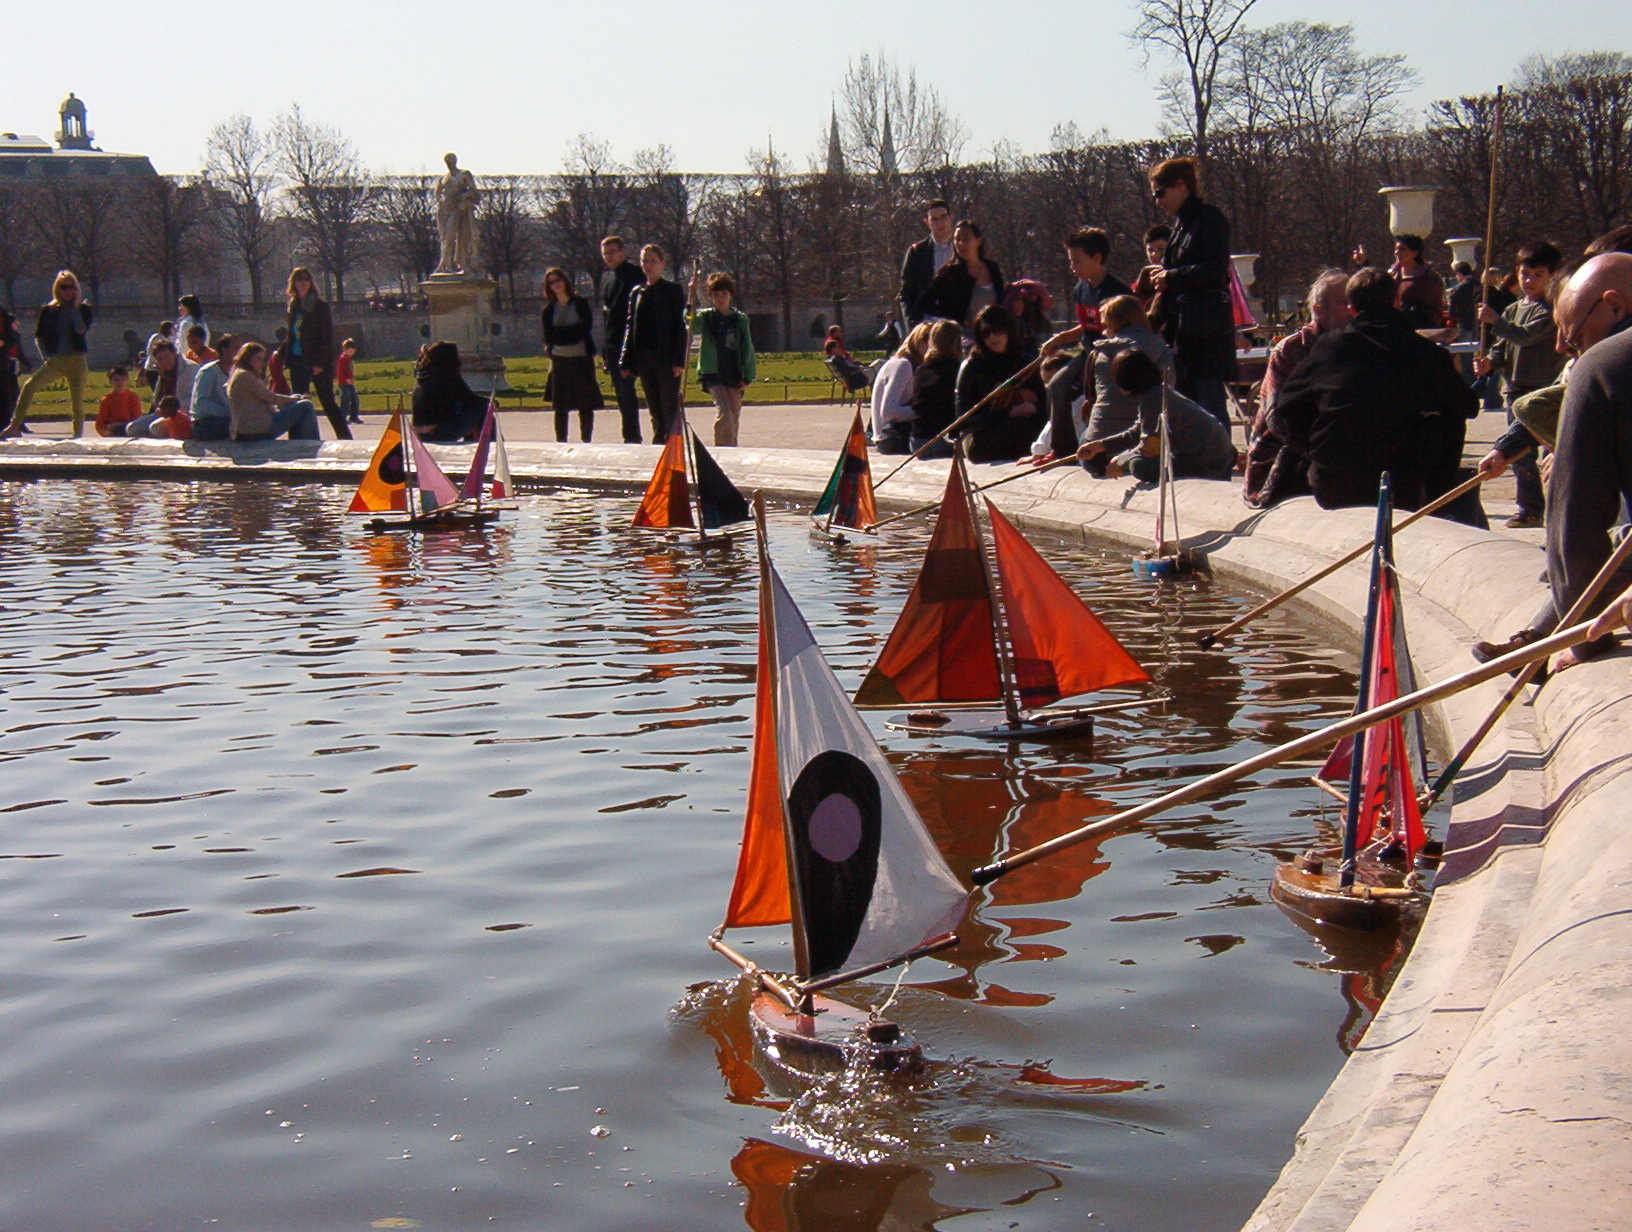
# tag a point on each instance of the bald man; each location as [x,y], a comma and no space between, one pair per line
[1592,467]
[1594,306]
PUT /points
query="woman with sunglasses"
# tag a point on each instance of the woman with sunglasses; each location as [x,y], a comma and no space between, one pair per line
[571,385]
[60,331]
[1193,287]
[308,352]
[1004,428]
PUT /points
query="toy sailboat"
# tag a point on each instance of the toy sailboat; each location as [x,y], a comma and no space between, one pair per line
[975,632]
[831,846]
[1384,767]
[403,478]
[672,502]
[847,504]
[1169,557]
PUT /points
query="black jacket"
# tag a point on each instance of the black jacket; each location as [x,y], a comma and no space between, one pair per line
[1372,397]
[949,292]
[657,324]
[45,329]
[567,335]
[443,403]
[1195,314]
[316,336]
[616,284]
[917,271]
[934,397]
[995,433]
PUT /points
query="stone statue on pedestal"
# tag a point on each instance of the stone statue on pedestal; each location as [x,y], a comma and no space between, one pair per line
[456,198]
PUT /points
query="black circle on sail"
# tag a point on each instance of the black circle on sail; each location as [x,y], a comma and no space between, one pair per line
[391,468]
[835,815]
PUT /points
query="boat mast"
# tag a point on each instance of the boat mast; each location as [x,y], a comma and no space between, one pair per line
[688,455]
[767,614]
[1000,638]
[1357,770]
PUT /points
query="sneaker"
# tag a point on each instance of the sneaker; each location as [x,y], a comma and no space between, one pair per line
[1524,521]
[355,419]
[1484,652]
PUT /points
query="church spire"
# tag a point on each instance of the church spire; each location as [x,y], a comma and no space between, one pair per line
[835,147]
[886,149]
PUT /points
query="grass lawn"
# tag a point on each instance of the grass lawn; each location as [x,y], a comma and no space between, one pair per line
[797,376]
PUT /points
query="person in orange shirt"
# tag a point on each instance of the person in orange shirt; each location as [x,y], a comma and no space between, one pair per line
[119,407]
[172,423]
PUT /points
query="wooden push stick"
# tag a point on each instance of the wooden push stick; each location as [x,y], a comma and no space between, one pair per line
[1562,640]
[996,483]
[1490,222]
[1577,612]
[1208,640]
[956,423]
[773,986]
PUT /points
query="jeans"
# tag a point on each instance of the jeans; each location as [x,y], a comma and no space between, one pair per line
[662,390]
[1208,393]
[297,418]
[1527,474]
[348,401]
[71,368]
[212,428]
[623,388]
[942,448]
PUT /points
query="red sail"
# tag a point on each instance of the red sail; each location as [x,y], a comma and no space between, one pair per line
[667,503]
[760,895]
[1059,647]
[941,649]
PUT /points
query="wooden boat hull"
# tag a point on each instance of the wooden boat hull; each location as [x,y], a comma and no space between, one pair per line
[986,725]
[461,519]
[1176,564]
[819,527]
[1310,890]
[835,1038]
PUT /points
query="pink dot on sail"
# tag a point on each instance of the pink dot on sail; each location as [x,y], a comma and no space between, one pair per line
[835,828]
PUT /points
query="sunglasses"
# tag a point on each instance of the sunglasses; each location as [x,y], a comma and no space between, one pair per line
[1572,340]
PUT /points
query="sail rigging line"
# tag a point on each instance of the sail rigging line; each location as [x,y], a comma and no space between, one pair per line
[1000,631]
[952,427]
[1368,652]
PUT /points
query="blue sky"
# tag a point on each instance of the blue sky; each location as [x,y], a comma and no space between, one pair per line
[507,85]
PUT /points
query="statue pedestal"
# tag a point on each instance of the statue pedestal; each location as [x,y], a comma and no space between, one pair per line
[461,309]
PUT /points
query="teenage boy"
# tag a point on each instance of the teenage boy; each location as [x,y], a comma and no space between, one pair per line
[120,406]
[1523,351]
[925,257]
[345,381]
[725,363]
[654,342]
[1087,250]
[618,280]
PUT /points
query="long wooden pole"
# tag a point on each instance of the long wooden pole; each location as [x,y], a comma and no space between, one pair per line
[1490,220]
[1562,640]
[1209,640]
[1577,612]
[958,422]
[996,483]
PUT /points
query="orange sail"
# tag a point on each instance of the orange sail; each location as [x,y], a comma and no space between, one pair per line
[384,487]
[848,499]
[1059,648]
[667,503]
[760,895]
[941,649]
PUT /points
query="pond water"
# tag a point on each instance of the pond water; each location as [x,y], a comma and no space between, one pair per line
[352,880]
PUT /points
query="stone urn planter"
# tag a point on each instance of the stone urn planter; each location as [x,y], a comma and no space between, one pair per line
[1410,210]
[1246,264]
[1465,248]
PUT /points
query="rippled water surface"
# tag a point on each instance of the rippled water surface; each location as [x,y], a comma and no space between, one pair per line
[353,880]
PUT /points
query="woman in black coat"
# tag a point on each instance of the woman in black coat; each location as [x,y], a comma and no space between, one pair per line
[935,390]
[1004,428]
[309,350]
[572,385]
[966,284]
[446,410]
[1193,287]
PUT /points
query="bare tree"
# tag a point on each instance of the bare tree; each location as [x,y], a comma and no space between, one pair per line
[591,203]
[331,196]
[889,125]
[238,164]
[1197,32]
[78,225]
[770,219]
[406,217]
[165,218]
[505,229]
[1580,106]
[17,245]
[667,207]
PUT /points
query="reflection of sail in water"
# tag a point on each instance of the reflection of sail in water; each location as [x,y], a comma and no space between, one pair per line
[793,1191]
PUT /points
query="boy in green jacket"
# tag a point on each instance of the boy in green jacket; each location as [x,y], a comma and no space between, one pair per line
[725,363]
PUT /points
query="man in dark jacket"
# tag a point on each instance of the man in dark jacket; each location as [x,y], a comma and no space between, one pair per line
[617,281]
[654,343]
[925,257]
[1374,397]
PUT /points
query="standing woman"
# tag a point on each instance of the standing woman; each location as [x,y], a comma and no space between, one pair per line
[60,332]
[572,385]
[966,284]
[1193,287]
[308,352]
[191,313]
